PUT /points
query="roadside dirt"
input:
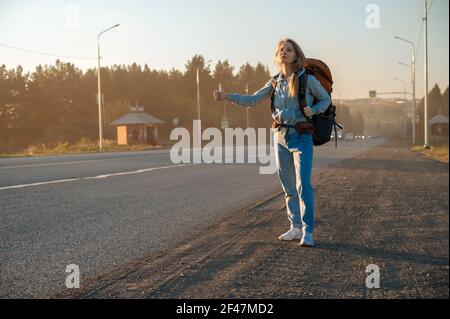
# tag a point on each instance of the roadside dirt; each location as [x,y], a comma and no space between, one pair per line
[388,207]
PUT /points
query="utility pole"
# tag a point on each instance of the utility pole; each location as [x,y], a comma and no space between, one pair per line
[198,94]
[198,90]
[99,87]
[413,68]
[426,144]
[413,65]
[247,109]
[404,101]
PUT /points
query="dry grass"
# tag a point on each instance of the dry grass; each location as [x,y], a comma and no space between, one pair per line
[439,153]
[84,145]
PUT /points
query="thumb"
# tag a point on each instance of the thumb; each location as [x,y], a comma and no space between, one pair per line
[220,87]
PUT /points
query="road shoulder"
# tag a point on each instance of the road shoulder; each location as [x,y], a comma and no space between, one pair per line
[388,206]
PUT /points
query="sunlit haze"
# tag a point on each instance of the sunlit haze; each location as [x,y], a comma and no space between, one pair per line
[166,34]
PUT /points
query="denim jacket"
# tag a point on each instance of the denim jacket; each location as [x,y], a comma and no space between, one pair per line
[287,109]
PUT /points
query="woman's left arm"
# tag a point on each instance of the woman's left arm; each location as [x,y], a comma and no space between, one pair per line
[322,97]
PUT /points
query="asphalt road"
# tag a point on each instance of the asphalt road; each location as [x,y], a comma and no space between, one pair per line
[370,213]
[101,210]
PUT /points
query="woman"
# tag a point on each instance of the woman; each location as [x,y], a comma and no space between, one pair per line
[293,150]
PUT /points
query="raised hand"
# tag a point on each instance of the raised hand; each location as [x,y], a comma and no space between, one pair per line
[219,94]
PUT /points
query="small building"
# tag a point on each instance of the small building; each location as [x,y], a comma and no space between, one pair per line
[137,127]
[439,125]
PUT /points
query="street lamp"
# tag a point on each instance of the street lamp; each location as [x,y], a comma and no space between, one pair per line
[247,109]
[405,65]
[100,126]
[425,111]
[404,97]
[404,88]
[198,89]
[413,68]
[413,121]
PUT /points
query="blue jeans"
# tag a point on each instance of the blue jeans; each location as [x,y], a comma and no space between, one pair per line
[294,159]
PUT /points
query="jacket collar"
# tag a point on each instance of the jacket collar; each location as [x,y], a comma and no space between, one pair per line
[299,74]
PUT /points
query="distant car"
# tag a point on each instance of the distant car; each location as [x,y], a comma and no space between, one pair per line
[349,137]
[339,135]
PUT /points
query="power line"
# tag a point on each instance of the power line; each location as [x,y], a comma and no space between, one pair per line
[419,42]
[59,55]
[45,53]
[431,5]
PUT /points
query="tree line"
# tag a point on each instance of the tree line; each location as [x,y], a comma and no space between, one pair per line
[58,103]
[438,103]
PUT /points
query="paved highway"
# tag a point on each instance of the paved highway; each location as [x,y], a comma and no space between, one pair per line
[101,210]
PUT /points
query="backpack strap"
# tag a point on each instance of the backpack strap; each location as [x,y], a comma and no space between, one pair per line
[336,124]
[272,97]
[303,81]
[335,133]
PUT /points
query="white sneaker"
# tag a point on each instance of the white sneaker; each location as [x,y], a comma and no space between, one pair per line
[291,234]
[307,240]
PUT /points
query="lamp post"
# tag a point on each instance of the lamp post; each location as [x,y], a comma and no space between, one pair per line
[99,87]
[425,19]
[413,69]
[404,88]
[413,120]
[247,109]
[404,95]
[198,89]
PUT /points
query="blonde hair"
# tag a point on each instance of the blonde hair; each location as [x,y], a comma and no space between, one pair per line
[298,64]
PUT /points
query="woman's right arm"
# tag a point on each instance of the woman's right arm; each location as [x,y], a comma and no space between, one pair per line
[251,100]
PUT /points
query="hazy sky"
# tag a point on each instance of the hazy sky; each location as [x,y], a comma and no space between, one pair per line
[166,33]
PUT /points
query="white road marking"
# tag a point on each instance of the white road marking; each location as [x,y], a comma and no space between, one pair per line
[93,161]
[94,177]
[77,162]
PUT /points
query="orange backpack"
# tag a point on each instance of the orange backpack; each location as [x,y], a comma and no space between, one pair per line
[325,122]
[321,72]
